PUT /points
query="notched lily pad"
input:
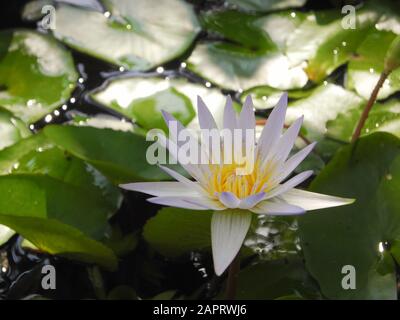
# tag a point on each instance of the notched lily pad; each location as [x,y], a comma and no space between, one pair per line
[135,34]
[36,74]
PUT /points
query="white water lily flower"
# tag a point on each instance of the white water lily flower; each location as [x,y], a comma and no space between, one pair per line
[234,198]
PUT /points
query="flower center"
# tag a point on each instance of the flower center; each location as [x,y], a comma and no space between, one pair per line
[225,178]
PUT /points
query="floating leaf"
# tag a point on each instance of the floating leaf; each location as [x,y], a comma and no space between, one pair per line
[324,104]
[135,34]
[119,155]
[364,70]
[273,279]
[12,129]
[382,117]
[245,62]
[56,238]
[36,74]
[356,235]
[266,5]
[174,231]
[126,94]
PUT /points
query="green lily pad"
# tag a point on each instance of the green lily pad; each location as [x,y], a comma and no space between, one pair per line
[324,104]
[382,117]
[41,182]
[132,96]
[237,26]
[134,34]
[121,156]
[364,70]
[266,5]
[192,231]
[274,279]
[248,61]
[356,235]
[56,238]
[36,74]
[12,129]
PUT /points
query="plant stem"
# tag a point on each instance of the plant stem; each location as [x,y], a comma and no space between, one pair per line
[369,105]
[233,273]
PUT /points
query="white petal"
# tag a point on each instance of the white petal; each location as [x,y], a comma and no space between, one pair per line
[206,120]
[160,188]
[174,137]
[312,201]
[291,183]
[295,160]
[229,200]
[230,118]
[287,140]
[193,169]
[187,202]
[273,128]
[277,208]
[247,119]
[251,201]
[177,176]
[228,231]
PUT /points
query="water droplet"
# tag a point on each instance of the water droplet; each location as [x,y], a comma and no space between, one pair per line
[240,90]
[335,51]
[64,107]
[389,177]
[129,27]
[264,98]
[107,14]
[48,118]
[32,127]
[344,43]
[293,14]
[30,102]
[166,78]
[121,69]
[3,269]
[208,84]
[16,165]
[367,130]
[183,65]
[40,149]
[371,70]
[376,125]
[56,113]
[381,248]
[325,83]
[72,100]
[81,80]
[160,70]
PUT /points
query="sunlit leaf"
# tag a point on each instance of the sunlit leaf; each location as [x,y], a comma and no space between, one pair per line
[135,34]
[36,74]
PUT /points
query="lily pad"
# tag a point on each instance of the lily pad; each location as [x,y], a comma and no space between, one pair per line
[358,235]
[36,74]
[382,117]
[69,185]
[324,104]
[121,156]
[274,279]
[130,97]
[56,238]
[135,34]
[12,129]
[364,70]
[266,5]
[191,231]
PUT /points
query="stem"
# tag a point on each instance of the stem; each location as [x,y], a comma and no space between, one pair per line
[233,273]
[369,105]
